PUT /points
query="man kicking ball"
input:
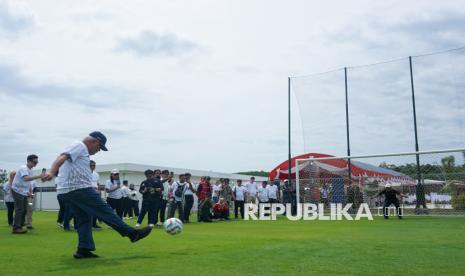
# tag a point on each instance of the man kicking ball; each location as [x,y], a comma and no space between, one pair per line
[390,197]
[74,186]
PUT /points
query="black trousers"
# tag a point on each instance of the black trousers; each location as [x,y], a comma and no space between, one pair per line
[152,207]
[11,208]
[117,205]
[222,215]
[126,207]
[238,204]
[176,205]
[188,203]
[388,203]
[163,210]
[133,208]
[20,210]
[61,212]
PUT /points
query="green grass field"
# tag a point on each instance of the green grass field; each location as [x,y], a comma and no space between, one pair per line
[413,246]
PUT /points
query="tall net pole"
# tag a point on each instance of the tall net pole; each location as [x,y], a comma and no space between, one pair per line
[420,191]
[349,165]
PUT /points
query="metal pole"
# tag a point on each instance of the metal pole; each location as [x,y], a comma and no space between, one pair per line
[289,132]
[347,126]
[420,190]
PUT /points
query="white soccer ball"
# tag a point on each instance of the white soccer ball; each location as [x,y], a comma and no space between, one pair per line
[173,226]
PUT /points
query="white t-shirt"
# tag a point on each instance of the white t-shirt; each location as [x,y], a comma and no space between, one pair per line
[272,191]
[188,191]
[216,190]
[125,191]
[166,190]
[133,195]
[116,194]
[8,195]
[251,188]
[240,192]
[262,194]
[19,184]
[95,179]
[75,172]
[175,186]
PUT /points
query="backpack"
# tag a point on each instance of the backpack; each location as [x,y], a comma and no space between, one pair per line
[179,190]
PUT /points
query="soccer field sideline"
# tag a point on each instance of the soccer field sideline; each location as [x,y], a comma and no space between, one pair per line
[416,245]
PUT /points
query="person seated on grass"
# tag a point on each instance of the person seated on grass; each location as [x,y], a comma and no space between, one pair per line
[221,210]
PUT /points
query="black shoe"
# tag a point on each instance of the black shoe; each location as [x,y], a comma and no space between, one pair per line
[83,254]
[30,227]
[19,231]
[139,234]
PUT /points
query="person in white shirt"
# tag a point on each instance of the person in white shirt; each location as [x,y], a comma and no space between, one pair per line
[134,198]
[8,198]
[21,190]
[167,180]
[188,198]
[115,195]
[126,200]
[251,190]
[95,185]
[239,196]
[273,193]
[74,187]
[262,195]
[216,190]
[179,188]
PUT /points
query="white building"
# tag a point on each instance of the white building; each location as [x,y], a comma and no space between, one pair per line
[46,197]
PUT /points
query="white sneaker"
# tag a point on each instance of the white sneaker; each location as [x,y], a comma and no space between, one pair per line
[159,224]
[151,225]
[137,225]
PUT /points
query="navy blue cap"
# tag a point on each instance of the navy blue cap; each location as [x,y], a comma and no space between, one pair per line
[101,138]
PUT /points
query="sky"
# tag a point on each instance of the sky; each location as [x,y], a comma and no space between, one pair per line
[203,84]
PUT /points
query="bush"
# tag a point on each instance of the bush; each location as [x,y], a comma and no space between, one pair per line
[458,202]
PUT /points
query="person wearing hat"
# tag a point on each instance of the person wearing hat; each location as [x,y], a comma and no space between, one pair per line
[74,187]
[390,197]
[115,195]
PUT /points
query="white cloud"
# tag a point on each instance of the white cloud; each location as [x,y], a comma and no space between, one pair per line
[168,102]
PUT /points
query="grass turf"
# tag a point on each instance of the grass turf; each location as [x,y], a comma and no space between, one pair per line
[414,246]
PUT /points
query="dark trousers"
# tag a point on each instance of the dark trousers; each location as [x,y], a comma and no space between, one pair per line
[150,206]
[163,210]
[61,212]
[87,203]
[172,209]
[222,215]
[204,210]
[133,208]
[117,205]
[127,207]
[20,210]
[67,216]
[238,204]
[11,208]
[388,203]
[188,203]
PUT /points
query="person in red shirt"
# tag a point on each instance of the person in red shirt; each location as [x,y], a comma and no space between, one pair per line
[204,193]
[221,210]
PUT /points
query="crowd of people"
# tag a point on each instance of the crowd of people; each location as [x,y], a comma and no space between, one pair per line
[163,196]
